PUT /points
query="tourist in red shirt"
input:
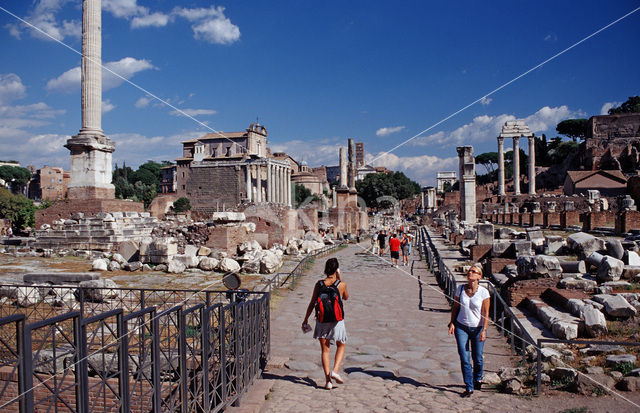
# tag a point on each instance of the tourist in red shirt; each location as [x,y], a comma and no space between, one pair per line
[394,247]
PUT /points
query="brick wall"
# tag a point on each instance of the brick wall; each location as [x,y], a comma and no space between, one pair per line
[495,265]
[522,289]
[214,188]
[593,220]
[626,221]
[569,218]
[551,218]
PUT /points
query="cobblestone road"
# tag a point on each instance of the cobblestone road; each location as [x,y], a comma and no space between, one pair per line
[399,356]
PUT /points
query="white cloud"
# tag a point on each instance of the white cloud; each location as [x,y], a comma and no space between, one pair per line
[124,8]
[485,101]
[43,16]
[551,37]
[421,169]
[150,20]
[485,128]
[11,88]
[143,102]
[107,106]
[193,112]
[126,67]
[314,152]
[604,110]
[389,130]
[210,24]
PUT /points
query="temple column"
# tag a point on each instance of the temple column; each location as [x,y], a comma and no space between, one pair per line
[516,165]
[343,168]
[258,184]
[269,182]
[532,165]
[249,190]
[289,188]
[500,166]
[280,185]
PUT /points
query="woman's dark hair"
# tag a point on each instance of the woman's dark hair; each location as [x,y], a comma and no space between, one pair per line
[331,266]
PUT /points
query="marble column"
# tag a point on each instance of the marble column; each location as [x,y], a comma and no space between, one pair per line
[91,151]
[343,168]
[516,165]
[258,184]
[532,165]
[289,197]
[269,182]
[500,166]
[281,182]
[351,166]
[467,168]
[334,197]
[249,189]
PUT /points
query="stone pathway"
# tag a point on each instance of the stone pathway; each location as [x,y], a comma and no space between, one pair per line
[399,356]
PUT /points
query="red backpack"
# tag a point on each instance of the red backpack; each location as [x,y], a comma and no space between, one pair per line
[329,304]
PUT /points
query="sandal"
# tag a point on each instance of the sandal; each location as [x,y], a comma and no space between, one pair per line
[336,377]
[328,385]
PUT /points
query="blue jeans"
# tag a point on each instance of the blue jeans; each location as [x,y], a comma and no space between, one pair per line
[469,337]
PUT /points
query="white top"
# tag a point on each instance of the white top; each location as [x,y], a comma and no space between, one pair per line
[470,313]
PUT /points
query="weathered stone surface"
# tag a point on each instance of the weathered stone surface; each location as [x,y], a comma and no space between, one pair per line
[98,290]
[534,234]
[59,278]
[484,234]
[593,383]
[500,247]
[99,264]
[225,217]
[610,269]
[229,265]
[114,266]
[208,264]
[614,248]
[129,250]
[564,374]
[594,322]
[191,250]
[613,360]
[632,258]
[512,385]
[553,243]
[189,261]
[573,266]
[204,251]
[578,284]
[629,384]
[176,267]
[584,244]
[616,305]
[523,248]
[595,259]
[134,266]
[118,258]
[270,262]
[251,265]
[539,266]
[506,233]
[292,249]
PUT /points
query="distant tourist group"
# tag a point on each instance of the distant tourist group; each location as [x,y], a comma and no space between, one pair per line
[398,245]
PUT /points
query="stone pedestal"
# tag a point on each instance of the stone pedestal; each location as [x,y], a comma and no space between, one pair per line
[91,169]
[466,163]
[65,208]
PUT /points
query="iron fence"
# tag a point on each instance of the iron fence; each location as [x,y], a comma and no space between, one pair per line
[180,358]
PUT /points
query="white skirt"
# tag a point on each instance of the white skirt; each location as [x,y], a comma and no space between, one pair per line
[332,331]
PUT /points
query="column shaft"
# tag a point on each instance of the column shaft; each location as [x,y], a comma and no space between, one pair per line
[249,189]
[532,166]
[269,181]
[516,166]
[501,166]
[91,66]
[258,184]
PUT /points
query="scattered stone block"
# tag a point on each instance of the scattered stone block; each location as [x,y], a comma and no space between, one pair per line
[584,244]
[593,383]
[573,266]
[539,266]
[614,248]
[485,234]
[610,269]
[577,284]
[523,248]
[616,305]
[98,290]
[629,384]
[204,251]
[114,266]
[632,258]
[176,267]
[594,322]
[613,360]
[191,250]
[208,264]
[134,266]
[99,264]
[552,243]
[229,265]
[129,250]
[270,262]
[501,248]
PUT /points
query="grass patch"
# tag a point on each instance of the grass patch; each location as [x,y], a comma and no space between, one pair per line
[576,410]
[624,368]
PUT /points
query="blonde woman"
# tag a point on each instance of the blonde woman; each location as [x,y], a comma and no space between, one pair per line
[469,321]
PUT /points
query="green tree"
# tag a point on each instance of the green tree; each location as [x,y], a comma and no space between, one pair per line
[182,204]
[384,186]
[489,160]
[573,128]
[16,176]
[303,194]
[561,151]
[632,105]
[19,209]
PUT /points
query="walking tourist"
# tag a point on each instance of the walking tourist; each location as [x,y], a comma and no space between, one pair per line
[327,299]
[469,321]
[374,243]
[381,242]
[404,247]
[394,247]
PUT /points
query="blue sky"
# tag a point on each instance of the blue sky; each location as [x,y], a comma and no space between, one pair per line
[315,74]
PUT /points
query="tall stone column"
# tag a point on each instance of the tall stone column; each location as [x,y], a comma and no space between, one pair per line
[467,168]
[501,191]
[249,189]
[351,166]
[343,168]
[289,195]
[269,182]
[334,197]
[90,149]
[258,184]
[281,182]
[516,165]
[422,199]
[532,165]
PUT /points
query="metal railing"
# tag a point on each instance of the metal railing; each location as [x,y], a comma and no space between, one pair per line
[184,358]
[499,311]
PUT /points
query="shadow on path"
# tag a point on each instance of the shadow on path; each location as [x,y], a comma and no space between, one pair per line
[387,375]
[293,379]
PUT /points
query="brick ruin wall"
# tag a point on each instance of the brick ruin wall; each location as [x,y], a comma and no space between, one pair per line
[214,188]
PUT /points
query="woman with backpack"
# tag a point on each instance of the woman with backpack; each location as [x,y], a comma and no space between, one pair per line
[327,300]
